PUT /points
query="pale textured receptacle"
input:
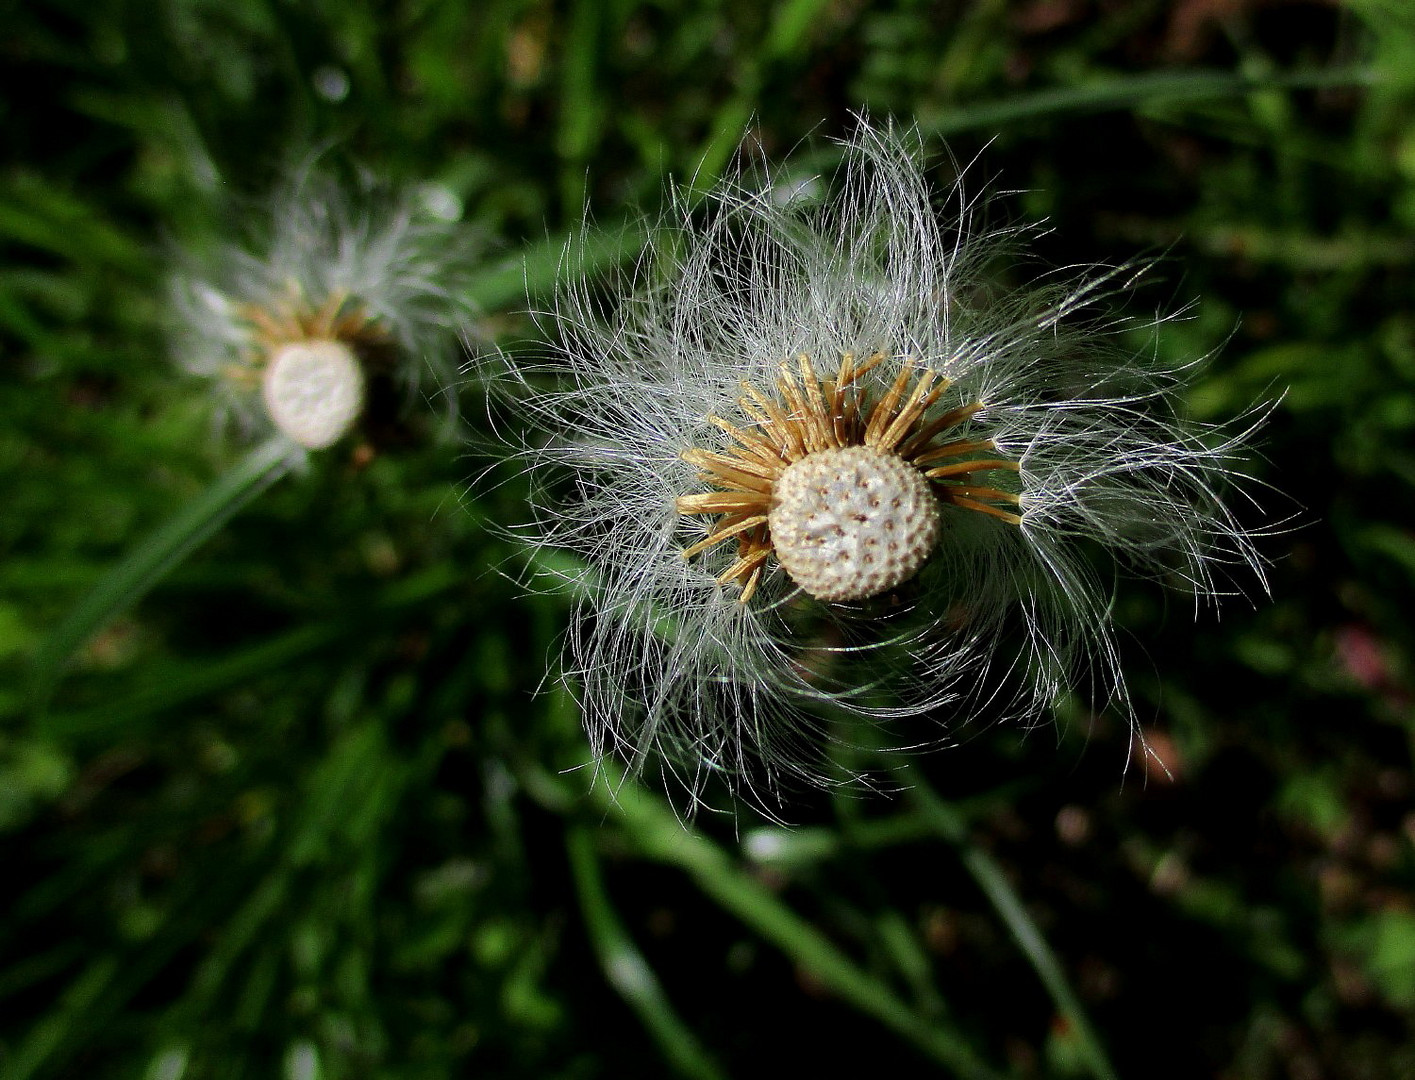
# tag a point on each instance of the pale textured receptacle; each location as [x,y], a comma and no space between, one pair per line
[852,523]
[314,391]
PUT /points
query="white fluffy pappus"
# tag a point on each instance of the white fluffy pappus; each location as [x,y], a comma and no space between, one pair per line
[822,376]
[338,296]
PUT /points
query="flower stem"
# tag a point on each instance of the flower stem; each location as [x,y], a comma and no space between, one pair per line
[950,825]
[156,555]
[625,967]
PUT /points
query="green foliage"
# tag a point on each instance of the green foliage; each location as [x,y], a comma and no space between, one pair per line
[285,801]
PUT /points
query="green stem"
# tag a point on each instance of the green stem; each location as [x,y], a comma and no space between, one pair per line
[625,967]
[660,835]
[950,825]
[148,561]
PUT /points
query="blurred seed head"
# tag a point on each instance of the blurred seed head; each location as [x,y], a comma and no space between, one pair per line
[313,391]
[339,292]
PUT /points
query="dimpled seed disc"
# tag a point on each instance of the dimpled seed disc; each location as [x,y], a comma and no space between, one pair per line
[314,391]
[852,523]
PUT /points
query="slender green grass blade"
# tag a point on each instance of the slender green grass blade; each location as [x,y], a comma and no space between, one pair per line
[20,977]
[200,680]
[1132,92]
[196,682]
[659,834]
[534,271]
[625,967]
[581,105]
[989,876]
[61,1026]
[790,26]
[156,555]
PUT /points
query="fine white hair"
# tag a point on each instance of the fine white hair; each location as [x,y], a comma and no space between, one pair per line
[316,238]
[670,668]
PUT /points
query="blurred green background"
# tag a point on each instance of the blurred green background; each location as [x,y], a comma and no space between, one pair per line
[299,812]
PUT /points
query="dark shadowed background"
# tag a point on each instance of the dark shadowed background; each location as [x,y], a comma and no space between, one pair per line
[296,810]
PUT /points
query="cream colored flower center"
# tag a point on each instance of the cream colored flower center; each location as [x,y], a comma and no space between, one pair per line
[314,391]
[843,489]
[853,522]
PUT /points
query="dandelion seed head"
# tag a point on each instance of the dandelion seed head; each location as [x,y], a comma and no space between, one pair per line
[331,274]
[819,469]
[852,523]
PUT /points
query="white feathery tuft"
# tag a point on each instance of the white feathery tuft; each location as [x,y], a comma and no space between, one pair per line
[371,270]
[1004,617]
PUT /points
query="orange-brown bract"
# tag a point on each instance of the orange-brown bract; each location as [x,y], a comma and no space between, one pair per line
[294,318]
[810,417]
